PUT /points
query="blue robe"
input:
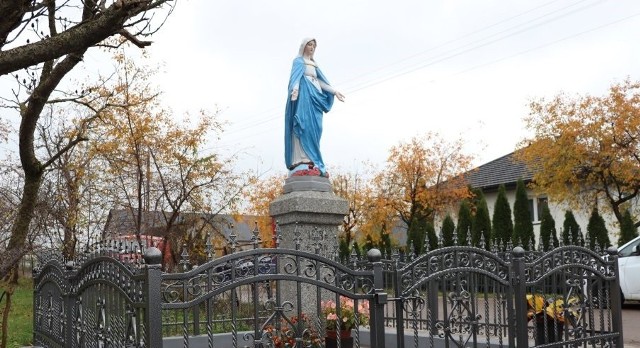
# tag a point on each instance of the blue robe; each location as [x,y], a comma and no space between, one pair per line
[303,117]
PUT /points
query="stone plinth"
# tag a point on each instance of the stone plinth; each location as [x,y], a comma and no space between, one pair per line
[309,209]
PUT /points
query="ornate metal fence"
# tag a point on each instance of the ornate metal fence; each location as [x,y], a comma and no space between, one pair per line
[454,297]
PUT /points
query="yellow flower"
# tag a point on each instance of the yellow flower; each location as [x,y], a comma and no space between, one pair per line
[554,308]
[535,305]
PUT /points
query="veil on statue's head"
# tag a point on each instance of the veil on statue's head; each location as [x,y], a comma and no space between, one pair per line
[304,43]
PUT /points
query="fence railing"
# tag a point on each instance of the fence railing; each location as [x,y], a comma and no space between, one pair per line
[269,297]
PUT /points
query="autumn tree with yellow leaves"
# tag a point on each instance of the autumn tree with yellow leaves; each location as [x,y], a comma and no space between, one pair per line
[66,205]
[356,188]
[587,148]
[377,223]
[153,163]
[259,194]
[422,177]
[41,42]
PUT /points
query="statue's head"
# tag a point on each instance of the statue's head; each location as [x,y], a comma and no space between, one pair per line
[307,46]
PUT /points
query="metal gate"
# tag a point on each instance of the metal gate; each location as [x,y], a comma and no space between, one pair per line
[273,297]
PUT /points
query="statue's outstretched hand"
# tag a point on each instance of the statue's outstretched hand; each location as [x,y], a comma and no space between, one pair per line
[340,96]
[294,95]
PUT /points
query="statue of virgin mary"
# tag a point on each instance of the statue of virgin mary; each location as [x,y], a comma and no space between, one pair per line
[309,96]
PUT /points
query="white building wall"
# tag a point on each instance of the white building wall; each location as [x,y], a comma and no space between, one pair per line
[557,212]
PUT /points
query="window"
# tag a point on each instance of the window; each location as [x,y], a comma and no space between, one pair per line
[542,203]
[531,210]
[535,210]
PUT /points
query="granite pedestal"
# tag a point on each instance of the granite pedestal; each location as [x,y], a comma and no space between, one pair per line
[308,209]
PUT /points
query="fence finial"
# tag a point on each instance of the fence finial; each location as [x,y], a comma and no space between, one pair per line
[518,252]
[209,247]
[184,258]
[276,235]
[153,256]
[374,255]
[255,238]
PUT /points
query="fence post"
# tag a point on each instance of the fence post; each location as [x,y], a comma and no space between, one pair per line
[69,300]
[616,300]
[520,297]
[399,309]
[152,297]
[379,301]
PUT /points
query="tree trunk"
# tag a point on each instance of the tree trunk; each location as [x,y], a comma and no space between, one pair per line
[5,316]
[70,240]
[20,228]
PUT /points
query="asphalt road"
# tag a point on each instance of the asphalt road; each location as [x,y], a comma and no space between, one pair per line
[631,325]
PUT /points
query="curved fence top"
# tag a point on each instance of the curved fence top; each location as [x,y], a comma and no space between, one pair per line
[450,260]
[259,265]
[571,259]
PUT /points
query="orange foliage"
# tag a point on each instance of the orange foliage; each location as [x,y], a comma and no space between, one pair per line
[260,194]
[356,188]
[151,160]
[586,148]
[424,176]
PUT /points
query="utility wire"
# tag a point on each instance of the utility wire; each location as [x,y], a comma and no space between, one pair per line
[447,55]
[454,53]
[270,112]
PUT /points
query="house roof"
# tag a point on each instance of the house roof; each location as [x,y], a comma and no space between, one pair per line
[505,170]
[122,222]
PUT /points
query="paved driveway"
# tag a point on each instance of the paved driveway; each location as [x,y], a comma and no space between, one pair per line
[631,325]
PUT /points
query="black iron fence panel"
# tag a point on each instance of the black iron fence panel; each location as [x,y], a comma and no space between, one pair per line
[456,296]
[459,295]
[98,303]
[573,297]
[266,297]
[50,290]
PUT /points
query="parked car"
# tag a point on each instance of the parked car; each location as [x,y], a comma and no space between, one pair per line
[629,270]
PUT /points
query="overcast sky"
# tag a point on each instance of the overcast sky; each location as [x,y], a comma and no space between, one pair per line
[463,68]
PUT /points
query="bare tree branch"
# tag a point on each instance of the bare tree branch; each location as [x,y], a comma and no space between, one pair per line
[87,33]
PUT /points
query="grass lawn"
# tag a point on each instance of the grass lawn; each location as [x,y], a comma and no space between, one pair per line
[21,316]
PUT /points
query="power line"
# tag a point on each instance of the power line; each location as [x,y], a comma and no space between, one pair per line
[247,123]
[455,52]
[549,44]
[460,38]
[476,45]
[450,53]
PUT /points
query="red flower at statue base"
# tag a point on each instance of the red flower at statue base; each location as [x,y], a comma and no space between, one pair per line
[312,171]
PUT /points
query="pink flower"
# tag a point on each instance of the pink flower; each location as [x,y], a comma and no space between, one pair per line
[329,304]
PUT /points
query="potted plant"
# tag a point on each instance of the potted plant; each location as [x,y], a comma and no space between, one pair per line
[286,336]
[549,315]
[340,322]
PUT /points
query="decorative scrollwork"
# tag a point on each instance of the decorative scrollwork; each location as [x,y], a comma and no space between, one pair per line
[584,259]
[328,274]
[366,285]
[309,269]
[449,260]
[461,323]
[347,282]
[195,286]
[414,305]
[169,294]
[289,264]
[279,329]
